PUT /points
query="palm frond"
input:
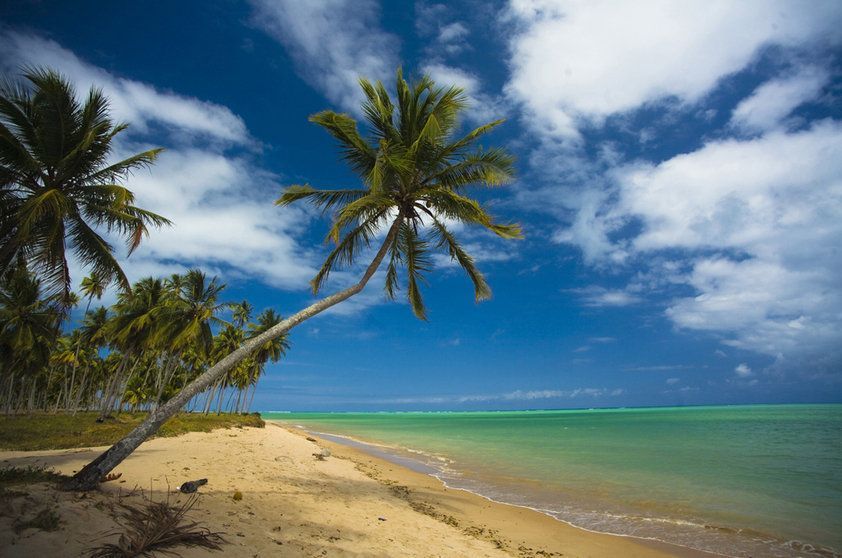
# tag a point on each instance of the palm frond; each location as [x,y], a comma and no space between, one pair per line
[482,291]
[355,150]
[322,199]
[414,252]
[346,249]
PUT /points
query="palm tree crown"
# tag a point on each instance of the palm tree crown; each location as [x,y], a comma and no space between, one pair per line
[57,185]
[415,172]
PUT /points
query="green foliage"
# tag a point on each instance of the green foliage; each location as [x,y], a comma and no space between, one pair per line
[415,170]
[28,475]
[47,431]
[45,520]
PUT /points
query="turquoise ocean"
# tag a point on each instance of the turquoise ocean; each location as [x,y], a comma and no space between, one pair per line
[757,480]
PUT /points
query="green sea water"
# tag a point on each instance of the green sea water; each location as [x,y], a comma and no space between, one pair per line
[761,480]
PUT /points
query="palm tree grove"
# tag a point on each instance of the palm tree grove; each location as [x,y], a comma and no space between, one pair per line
[173,343]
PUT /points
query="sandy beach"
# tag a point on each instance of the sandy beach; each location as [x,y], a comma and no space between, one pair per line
[351,504]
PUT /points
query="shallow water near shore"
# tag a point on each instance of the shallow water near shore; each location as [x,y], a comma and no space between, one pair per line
[762,480]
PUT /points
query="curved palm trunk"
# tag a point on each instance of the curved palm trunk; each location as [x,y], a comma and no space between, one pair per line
[91,474]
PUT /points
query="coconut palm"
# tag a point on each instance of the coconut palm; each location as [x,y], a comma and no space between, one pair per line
[28,325]
[272,350]
[93,286]
[188,314]
[241,312]
[57,186]
[415,174]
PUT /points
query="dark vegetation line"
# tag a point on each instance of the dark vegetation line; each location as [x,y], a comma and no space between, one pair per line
[132,356]
[46,431]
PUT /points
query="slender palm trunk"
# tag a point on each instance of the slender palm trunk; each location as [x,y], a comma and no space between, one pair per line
[80,393]
[9,394]
[89,476]
[220,399]
[76,358]
[251,398]
[209,400]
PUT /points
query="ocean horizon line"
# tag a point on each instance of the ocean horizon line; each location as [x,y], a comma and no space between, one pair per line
[545,410]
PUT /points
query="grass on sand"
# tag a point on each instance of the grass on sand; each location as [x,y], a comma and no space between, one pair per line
[61,431]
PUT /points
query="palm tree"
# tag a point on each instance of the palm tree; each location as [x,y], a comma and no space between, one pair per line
[271,350]
[415,176]
[93,286]
[188,314]
[28,326]
[241,312]
[56,186]
[185,318]
[134,330]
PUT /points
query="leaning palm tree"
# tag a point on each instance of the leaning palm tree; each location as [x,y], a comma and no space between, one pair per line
[57,185]
[415,174]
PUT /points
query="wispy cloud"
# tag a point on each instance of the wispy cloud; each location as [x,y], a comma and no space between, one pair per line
[602,339]
[138,103]
[332,43]
[517,395]
[661,367]
[598,297]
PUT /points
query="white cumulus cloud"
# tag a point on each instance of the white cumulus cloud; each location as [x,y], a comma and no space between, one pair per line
[758,224]
[579,62]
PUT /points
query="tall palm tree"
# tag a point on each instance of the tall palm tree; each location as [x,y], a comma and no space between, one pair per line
[28,326]
[57,185]
[415,173]
[241,312]
[186,317]
[93,286]
[271,350]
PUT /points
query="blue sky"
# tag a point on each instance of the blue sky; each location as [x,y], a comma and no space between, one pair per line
[679,183]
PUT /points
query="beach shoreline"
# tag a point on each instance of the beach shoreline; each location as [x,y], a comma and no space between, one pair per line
[544,532]
[351,504]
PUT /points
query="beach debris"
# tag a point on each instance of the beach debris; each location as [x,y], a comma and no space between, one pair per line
[237,496]
[322,455]
[381,518]
[190,487]
[111,477]
[151,526]
[311,439]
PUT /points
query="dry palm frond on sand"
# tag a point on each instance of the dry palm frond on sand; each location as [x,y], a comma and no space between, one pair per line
[157,527]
